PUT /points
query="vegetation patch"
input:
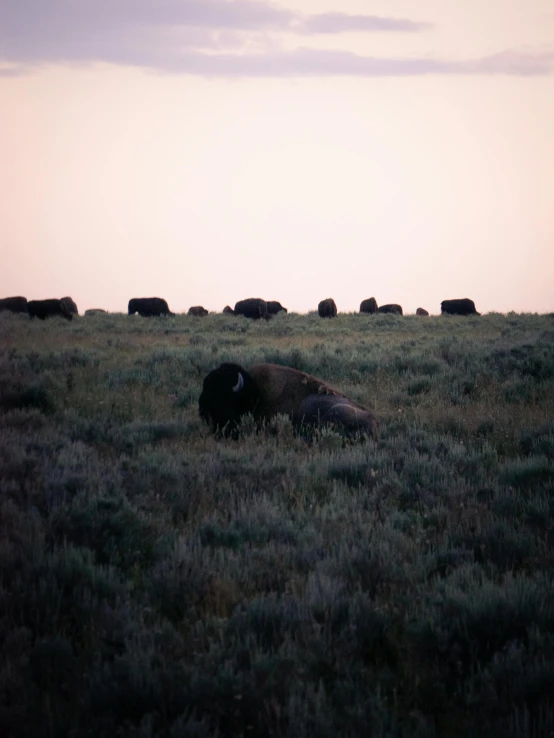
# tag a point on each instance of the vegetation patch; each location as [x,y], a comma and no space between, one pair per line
[158,581]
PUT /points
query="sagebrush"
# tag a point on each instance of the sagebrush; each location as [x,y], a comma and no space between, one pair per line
[156,581]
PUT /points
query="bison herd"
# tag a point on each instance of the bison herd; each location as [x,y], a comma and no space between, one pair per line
[65,308]
[253,307]
[265,390]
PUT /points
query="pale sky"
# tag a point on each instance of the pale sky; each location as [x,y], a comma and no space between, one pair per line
[206,151]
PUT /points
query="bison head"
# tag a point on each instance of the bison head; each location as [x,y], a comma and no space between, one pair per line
[228,393]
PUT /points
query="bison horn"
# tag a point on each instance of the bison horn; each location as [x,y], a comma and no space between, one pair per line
[239,385]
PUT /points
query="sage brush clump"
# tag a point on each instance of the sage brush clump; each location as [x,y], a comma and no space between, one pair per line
[156,581]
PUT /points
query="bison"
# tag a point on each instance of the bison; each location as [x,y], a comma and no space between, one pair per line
[327,308]
[14,304]
[421,311]
[266,390]
[47,309]
[463,306]
[198,311]
[369,305]
[253,307]
[392,308]
[227,310]
[70,305]
[336,412]
[274,307]
[95,311]
[148,307]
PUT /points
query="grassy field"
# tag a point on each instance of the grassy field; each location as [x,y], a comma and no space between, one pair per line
[155,581]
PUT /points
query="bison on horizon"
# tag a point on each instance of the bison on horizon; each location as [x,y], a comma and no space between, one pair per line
[198,311]
[14,304]
[463,306]
[421,311]
[274,307]
[327,308]
[148,307]
[266,390]
[253,307]
[368,306]
[48,309]
[391,308]
[228,310]
[70,305]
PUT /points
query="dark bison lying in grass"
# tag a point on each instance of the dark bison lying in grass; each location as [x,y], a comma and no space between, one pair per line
[14,304]
[266,390]
[392,308]
[422,311]
[198,311]
[463,306]
[148,307]
[48,309]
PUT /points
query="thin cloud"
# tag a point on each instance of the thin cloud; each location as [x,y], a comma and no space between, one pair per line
[342,23]
[79,15]
[524,63]
[61,15]
[324,63]
[215,38]
[65,31]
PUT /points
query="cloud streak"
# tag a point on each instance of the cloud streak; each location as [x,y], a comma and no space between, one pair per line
[20,17]
[342,23]
[324,63]
[216,38]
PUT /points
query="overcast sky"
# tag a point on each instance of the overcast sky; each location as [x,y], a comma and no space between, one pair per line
[211,150]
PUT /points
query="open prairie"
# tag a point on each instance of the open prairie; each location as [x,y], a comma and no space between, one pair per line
[157,581]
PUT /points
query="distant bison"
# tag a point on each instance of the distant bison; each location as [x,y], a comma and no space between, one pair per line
[274,307]
[227,310]
[327,308]
[70,305]
[14,304]
[253,307]
[369,305]
[95,311]
[396,309]
[148,307]
[198,311]
[421,311]
[266,390]
[462,306]
[47,309]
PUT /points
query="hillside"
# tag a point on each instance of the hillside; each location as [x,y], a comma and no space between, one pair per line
[156,581]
